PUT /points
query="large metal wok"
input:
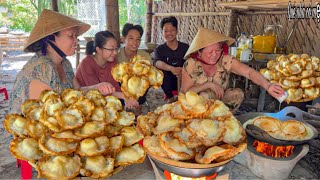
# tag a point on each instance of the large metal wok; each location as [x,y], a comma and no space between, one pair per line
[287,113]
[186,172]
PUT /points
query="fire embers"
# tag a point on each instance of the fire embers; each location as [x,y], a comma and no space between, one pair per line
[137,76]
[298,74]
[65,134]
[273,151]
[193,129]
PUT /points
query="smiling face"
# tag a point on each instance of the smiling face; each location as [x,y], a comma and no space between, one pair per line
[109,50]
[211,53]
[67,41]
[169,32]
[132,40]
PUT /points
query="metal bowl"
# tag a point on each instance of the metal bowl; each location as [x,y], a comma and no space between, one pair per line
[187,172]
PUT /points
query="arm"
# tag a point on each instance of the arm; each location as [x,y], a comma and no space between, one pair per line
[241,69]
[188,84]
[166,67]
[36,87]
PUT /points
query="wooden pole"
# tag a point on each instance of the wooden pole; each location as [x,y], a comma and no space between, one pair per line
[154,22]
[112,17]
[148,21]
[54,5]
[232,24]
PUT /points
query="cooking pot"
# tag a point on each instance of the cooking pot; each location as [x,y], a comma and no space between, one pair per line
[264,44]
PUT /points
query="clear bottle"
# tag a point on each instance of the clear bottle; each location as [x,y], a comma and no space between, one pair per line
[250,41]
[241,44]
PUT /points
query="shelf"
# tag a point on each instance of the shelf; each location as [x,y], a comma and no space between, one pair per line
[263,5]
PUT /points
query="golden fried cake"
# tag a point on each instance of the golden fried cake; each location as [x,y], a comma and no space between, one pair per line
[130,155]
[174,148]
[119,71]
[294,95]
[67,136]
[93,146]
[193,104]
[70,118]
[111,115]
[46,94]
[91,129]
[139,68]
[34,113]
[27,104]
[125,119]
[36,129]
[97,166]
[218,110]
[131,135]
[85,105]
[16,125]
[211,154]
[134,86]
[152,145]
[116,144]
[268,124]
[155,77]
[113,102]
[144,126]
[166,123]
[70,96]
[209,131]
[52,146]
[186,137]
[26,149]
[98,114]
[234,133]
[59,167]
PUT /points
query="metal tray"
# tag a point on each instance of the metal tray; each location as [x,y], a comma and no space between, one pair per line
[287,113]
[187,172]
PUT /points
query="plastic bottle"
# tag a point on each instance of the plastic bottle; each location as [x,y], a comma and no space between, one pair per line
[250,41]
[241,44]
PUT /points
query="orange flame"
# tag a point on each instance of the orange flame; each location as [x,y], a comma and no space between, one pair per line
[273,151]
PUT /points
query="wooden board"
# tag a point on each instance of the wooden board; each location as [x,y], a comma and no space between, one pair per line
[263,4]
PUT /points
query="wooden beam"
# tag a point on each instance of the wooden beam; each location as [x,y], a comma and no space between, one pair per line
[112,17]
[148,21]
[54,5]
[194,14]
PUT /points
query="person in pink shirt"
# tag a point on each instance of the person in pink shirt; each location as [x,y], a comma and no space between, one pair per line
[96,67]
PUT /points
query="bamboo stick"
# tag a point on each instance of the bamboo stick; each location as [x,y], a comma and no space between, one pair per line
[263,12]
[194,14]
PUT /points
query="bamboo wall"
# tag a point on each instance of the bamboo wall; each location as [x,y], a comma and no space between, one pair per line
[192,14]
[305,38]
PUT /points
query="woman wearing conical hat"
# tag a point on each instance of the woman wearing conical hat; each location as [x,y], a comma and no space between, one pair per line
[206,70]
[53,38]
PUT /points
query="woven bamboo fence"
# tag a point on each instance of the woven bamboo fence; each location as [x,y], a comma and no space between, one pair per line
[192,14]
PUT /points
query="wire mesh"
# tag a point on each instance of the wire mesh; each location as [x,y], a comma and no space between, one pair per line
[92,12]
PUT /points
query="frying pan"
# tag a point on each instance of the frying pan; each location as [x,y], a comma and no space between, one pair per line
[287,113]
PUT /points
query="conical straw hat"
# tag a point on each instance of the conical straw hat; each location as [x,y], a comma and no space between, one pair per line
[50,22]
[206,37]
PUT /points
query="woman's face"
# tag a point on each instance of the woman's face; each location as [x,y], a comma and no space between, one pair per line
[211,53]
[109,50]
[132,40]
[67,41]
[169,32]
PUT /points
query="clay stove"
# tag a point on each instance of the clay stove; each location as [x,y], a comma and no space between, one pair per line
[268,167]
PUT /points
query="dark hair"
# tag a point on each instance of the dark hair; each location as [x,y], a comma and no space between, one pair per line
[171,20]
[128,26]
[42,44]
[100,39]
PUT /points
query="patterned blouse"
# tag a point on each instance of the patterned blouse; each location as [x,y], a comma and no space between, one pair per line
[41,68]
[221,77]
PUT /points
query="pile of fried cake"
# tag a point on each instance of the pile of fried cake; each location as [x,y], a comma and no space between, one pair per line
[64,135]
[193,129]
[299,75]
[137,76]
[283,130]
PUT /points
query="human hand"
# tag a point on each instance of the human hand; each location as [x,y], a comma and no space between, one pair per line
[105,88]
[275,90]
[131,103]
[177,71]
[217,89]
